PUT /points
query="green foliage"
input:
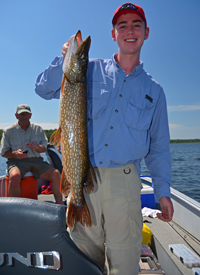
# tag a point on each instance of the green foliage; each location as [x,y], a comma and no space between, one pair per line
[48,133]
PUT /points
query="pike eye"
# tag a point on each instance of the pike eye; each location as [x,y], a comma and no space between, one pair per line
[84,60]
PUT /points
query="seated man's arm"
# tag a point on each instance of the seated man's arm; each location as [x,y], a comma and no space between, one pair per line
[6,149]
[38,147]
[14,154]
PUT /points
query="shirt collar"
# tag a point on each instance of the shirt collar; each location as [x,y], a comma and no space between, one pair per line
[19,127]
[136,70]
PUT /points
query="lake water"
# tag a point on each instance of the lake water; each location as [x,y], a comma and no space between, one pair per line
[185,163]
[185,168]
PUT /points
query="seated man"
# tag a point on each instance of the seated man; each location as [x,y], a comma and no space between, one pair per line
[22,144]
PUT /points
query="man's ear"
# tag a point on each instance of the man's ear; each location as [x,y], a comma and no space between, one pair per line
[113,34]
[146,33]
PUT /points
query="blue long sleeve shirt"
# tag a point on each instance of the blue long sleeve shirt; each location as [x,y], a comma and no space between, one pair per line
[127,117]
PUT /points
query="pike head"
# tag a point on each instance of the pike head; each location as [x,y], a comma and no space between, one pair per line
[76,59]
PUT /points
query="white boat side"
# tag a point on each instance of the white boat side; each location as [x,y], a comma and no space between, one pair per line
[183,229]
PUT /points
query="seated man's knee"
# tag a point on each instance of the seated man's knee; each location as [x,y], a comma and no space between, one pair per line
[15,177]
[56,174]
[51,174]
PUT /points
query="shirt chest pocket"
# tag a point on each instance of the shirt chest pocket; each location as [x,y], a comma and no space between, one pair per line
[97,100]
[15,144]
[139,116]
[36,138]
[14,141]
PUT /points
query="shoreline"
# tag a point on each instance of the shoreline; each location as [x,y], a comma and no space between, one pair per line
[184,140]
[48,133]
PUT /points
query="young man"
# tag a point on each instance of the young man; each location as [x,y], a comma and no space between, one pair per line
[22,144]
[127,121]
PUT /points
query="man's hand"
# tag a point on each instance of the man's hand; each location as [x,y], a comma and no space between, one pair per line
[33,145]
[166,208]
[38,147]
[14,154]
[59,149]
[19,154]
[65,49]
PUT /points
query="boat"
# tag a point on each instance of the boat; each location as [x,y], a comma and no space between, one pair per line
[34,240]
[183,230]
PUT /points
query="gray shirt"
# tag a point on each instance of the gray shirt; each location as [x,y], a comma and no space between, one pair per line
[14,138]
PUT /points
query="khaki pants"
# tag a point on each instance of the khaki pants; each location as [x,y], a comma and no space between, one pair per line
[115,210]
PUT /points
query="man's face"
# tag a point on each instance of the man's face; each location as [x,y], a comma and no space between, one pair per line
[23,118]
[129,32]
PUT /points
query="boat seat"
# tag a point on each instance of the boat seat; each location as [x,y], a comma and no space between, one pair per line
[29,186]
[34,240]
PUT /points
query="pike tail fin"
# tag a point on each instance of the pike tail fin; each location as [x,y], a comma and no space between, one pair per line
[78,213]
[65,185]
[55,138]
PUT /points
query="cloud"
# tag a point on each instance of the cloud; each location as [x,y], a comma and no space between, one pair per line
[175,126]
[182,108]
[48,126]
[178,131]
[4,125]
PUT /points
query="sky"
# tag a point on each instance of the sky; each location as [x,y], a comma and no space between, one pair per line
[32,33]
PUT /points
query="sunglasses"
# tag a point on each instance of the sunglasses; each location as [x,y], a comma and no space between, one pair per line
[128,6]
[131,7]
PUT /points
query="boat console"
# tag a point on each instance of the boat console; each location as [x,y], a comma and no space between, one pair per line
[34,240]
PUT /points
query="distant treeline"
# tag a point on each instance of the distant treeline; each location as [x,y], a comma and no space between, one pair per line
[196,140]
[50,132]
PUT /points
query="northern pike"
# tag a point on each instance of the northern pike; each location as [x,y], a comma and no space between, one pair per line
[77,171]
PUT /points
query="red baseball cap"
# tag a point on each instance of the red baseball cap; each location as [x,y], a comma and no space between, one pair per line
[128,8]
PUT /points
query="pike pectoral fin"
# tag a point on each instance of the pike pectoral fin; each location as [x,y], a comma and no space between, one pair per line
[89,185]
[55,138]
[78,213]
[65,186]
[93,173]
[63,80]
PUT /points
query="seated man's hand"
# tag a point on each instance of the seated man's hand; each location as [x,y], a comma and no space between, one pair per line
[20,154]
[33,145]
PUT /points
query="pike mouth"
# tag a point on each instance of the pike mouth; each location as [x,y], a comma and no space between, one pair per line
[78,38]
